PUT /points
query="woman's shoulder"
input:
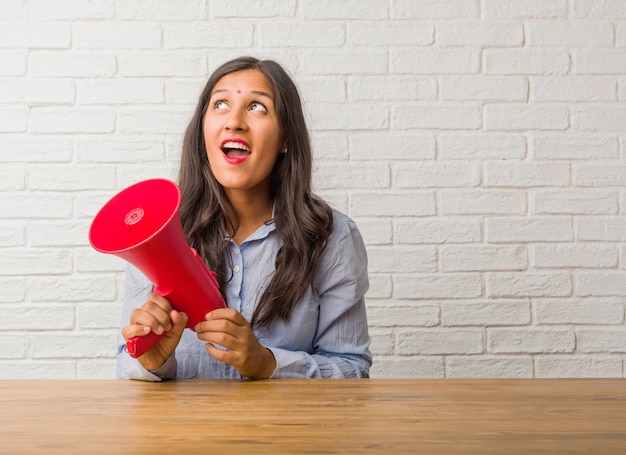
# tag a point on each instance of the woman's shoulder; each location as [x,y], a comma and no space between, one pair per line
[345,257]
[344,229]
[341,222]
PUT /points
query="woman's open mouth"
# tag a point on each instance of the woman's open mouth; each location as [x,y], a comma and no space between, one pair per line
[235,150]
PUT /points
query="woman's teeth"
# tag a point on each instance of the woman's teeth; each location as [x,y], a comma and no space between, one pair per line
[235,150]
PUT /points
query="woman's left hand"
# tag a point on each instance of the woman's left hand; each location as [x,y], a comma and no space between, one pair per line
[228,328]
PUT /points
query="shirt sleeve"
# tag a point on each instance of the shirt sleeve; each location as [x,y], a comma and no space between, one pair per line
[341,344]
[136,291]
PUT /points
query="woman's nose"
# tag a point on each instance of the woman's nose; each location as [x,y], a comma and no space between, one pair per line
[235,120]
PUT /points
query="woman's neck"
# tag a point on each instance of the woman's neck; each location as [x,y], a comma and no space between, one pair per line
[252,211]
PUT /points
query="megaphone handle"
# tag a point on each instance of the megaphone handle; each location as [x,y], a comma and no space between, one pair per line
[138,346]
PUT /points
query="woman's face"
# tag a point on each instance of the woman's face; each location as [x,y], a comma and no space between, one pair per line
[242,133]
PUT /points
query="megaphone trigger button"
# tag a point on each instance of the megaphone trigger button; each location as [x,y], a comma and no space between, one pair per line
[134,216]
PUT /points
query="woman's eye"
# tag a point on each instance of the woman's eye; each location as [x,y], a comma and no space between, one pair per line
[220,105]
[258,107]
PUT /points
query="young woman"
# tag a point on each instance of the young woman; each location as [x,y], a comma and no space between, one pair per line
[292,270]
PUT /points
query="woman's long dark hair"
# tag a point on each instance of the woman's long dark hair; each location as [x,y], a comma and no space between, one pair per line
[303,221]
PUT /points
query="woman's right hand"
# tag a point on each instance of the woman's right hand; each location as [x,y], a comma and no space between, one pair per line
[157,316]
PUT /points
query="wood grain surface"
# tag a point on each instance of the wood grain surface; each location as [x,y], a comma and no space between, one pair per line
[449,416]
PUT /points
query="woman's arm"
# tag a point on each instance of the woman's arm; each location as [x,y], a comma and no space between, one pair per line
[341,343]
[136,292]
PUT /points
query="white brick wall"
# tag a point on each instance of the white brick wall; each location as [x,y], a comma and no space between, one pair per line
[479,144]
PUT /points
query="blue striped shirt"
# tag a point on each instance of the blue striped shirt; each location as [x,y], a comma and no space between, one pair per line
[326,336]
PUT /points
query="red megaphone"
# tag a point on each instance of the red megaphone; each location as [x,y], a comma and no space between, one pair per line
[141,225]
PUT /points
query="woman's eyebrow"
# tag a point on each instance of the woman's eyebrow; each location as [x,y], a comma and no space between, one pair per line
[255,92]
[263,93]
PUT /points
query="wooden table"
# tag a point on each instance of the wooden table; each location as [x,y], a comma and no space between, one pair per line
[449,416]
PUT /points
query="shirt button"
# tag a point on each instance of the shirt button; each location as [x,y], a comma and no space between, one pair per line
[236,269]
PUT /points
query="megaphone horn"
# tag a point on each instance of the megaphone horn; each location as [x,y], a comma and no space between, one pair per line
[141,225]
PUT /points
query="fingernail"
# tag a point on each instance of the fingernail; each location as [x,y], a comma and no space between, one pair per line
[208,316]
[160,330]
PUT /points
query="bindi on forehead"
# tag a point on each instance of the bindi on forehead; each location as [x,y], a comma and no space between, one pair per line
[238,91]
